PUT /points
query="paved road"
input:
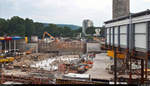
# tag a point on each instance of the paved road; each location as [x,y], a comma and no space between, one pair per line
[98,70]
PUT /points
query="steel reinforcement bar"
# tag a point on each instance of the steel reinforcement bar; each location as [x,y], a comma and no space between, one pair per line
[25,80]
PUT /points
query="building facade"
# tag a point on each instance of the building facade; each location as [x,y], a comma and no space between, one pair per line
[130,35]
[86,24]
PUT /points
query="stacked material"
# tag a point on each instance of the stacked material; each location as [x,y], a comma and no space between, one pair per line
[27,60]
[53,63]
[45,64]
[80,76]
[12,83]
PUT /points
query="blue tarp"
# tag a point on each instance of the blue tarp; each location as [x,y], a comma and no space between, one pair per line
[2,41]
[16,38]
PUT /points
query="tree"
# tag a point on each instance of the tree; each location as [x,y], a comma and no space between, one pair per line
[90,30]
[77,32]
[29,27]
[16,26]
[102,32]
[3,26]
[39,29]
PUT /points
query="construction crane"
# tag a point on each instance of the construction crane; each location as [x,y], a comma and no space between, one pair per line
[56,40]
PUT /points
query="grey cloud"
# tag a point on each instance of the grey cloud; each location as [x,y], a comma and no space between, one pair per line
[64,11]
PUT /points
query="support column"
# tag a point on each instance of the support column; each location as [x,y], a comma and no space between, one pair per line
[14,46]
[146,65]
[109,38]
[115,67]
[142,71]
[130,69]
[131,45]
[1,73]
[37,48]
[127,50]
[148,48]
[115,56]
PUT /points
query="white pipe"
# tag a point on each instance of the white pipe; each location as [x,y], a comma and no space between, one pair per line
[9,45]
[14,46]
[5,45]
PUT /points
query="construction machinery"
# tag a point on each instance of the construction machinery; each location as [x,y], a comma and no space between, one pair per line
[7,59]
[81,68]
[53,38]
[4,58]
[30,51]
[83,64]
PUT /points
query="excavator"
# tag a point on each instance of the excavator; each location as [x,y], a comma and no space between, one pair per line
[30,51]
[53,38]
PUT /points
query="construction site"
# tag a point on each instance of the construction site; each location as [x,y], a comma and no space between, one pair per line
[46,61]
[122,56]
[54,61]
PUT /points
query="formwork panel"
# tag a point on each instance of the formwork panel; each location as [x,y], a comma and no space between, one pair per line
[123,41]
[107,35]
[116,30]
[123,29]
[140,36]
[123,36]
[116,40]
[140,28]
[116,36]
[140,41]
[111,39]
[111,36]
[108,31]
[107,38]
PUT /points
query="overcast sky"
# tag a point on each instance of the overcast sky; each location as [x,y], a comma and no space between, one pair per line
[65,11]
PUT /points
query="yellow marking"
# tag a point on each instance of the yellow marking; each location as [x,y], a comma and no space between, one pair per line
[111,54]
[26,39]
[147,70]
[10,59]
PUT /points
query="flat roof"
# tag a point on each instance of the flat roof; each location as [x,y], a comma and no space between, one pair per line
[127,17]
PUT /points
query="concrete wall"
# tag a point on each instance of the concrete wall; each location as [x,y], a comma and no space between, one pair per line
[120,8]
[93,47]
[63,47]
